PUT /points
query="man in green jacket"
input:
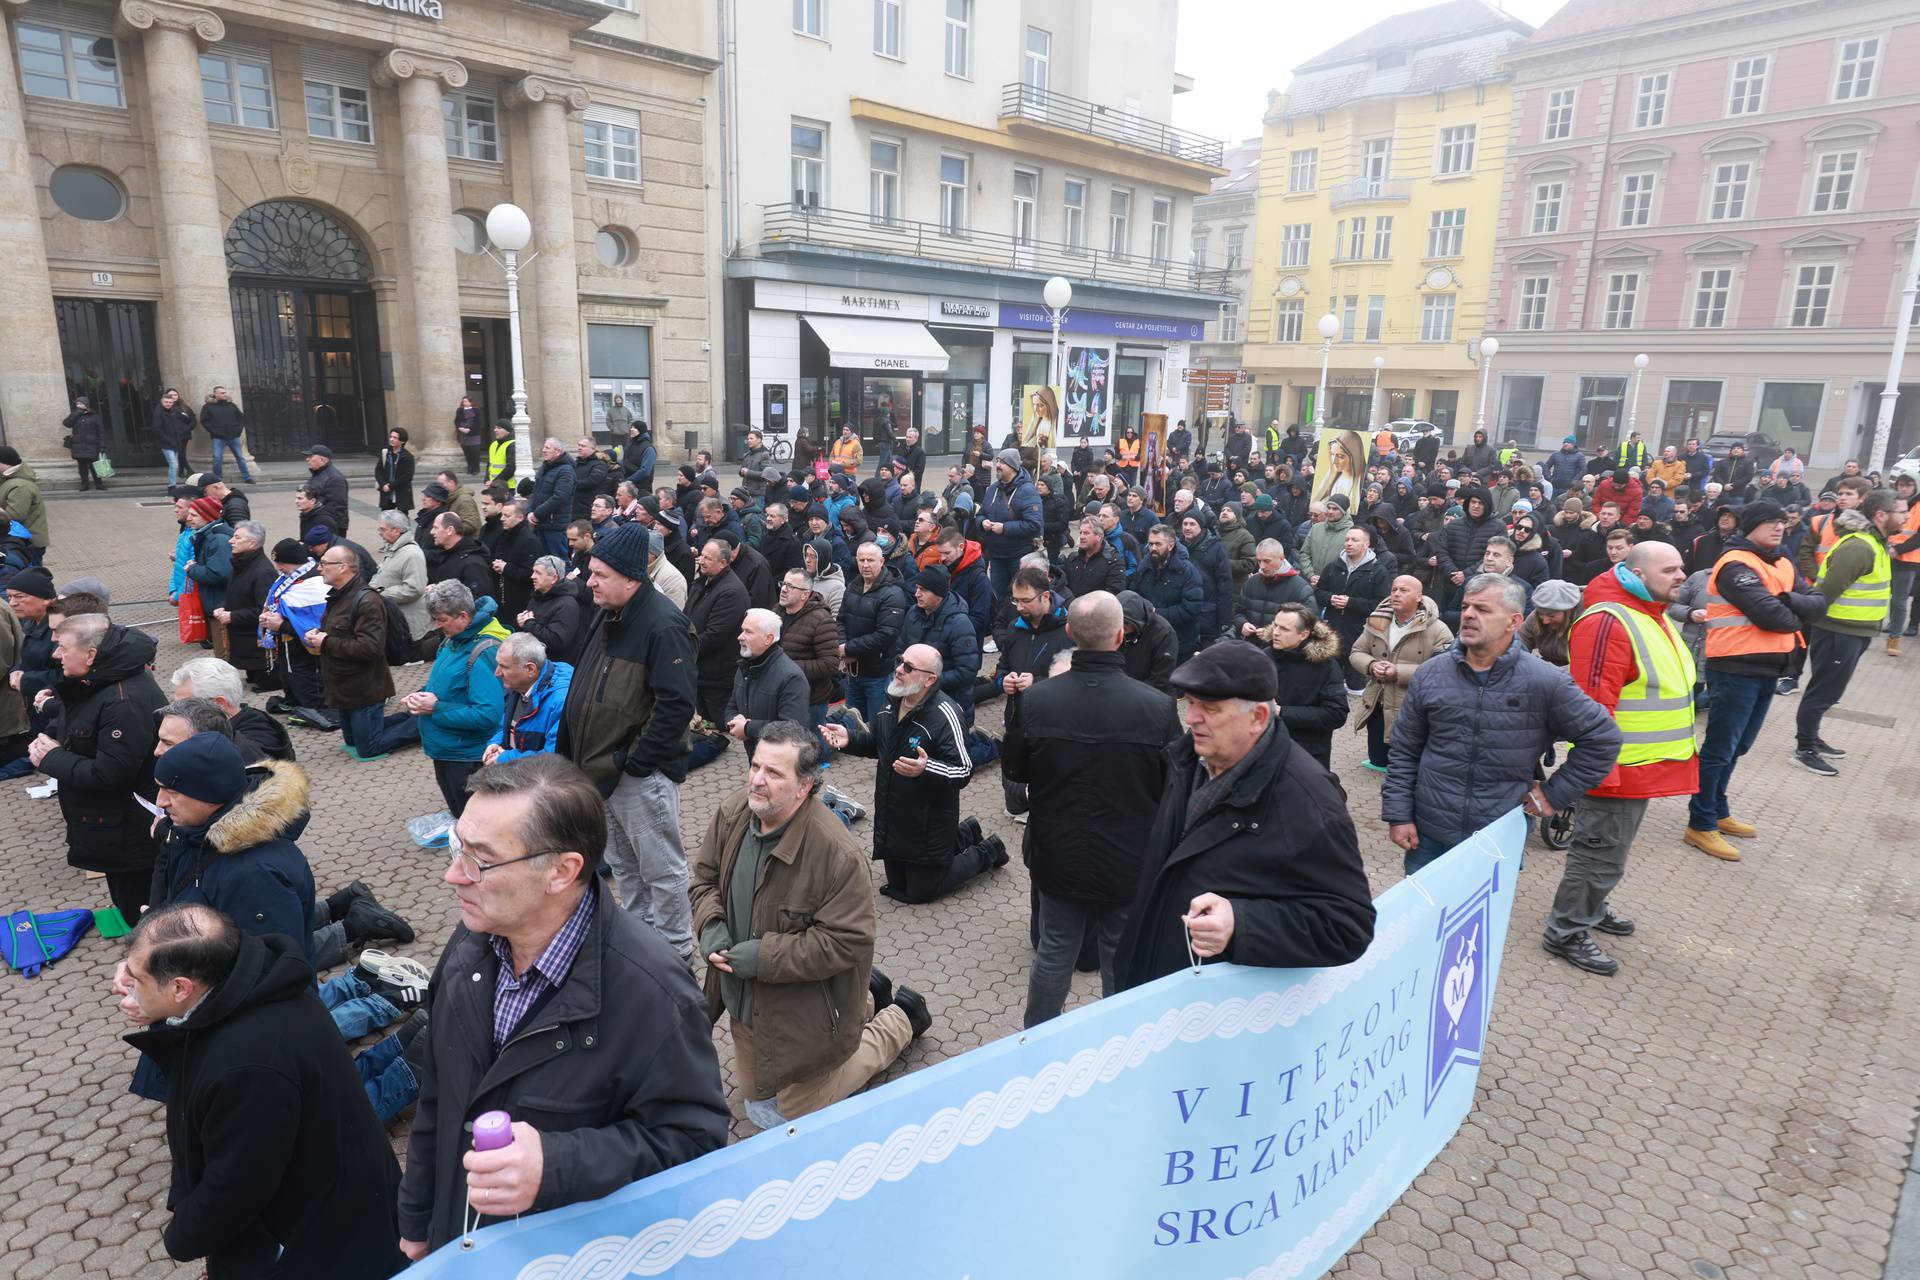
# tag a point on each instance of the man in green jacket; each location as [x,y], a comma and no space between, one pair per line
[1857,581]
[20,498]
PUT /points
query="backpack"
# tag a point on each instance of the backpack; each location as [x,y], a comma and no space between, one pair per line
[399,638]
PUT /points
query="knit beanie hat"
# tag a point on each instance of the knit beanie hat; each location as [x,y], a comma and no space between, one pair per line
[624,550]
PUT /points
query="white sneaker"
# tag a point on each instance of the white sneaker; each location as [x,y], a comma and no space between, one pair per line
[1020,818]
[989,646]
[404,973]
[840,799]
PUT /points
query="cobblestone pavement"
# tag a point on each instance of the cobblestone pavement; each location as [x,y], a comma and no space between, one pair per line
[1737,1102]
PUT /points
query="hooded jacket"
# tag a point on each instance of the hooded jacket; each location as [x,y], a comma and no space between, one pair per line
[105,756]
[1209,556]
[1424,636]
[1391,541]
[1151,649]
[1323,544]
[212,565]
[1029,647]
[280,1167]
[1564,467]
[1312,694]
[465,681]
[1017,503]
[517,548]
[970,583]
[829,582]
[1602,662]
[1479,457]
[948,629]
[1463,543]
[20,498]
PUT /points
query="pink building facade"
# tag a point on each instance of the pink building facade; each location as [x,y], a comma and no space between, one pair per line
[1728,188]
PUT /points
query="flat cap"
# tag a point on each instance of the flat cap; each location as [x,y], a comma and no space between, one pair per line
[1229,669]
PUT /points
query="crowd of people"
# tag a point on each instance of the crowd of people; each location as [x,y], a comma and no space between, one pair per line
[1174,651]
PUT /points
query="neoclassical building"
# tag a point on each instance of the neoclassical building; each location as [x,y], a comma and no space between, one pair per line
[287,198]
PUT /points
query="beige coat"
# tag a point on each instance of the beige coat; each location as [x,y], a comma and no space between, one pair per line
[1425,638]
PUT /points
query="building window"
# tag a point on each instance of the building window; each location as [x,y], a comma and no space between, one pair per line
[886,28]
[1039,64]
[1357,239]
[238,90]
[1650,101]
[1533,302]
[1636,199]
[612,138]
[1812,292]
[1749,85]
[1559,120]
[1073,207]
[1376,316]
[613,246]
[1229,322]
[1833,183]
[809,166]
[810,18]
[1520,400]
[1446,229]
[1289,314]
[473,126]
[883,166]
[1729,191]
[1349,316]
[1026,194]
[1236,246]
[1858,58]
[1546,206]
[338,111]
[1623,292]
[86,194]
[1711,289]
[954,187]
[1303,168]
[469,232]
[1456,148]
[1296,244]
[959,38]
[75,65]
[1383,237]
[1160,231]
[1375,163]
[1119,222]
[1436,318]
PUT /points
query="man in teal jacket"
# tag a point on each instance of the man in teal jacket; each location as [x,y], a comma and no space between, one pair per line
[454,717]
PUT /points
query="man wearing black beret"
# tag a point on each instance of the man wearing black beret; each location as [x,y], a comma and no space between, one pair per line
[1252,855]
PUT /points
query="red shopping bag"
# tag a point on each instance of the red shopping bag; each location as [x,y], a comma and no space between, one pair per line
[193,618]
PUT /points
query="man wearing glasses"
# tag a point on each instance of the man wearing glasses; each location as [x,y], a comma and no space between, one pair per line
[351,643]
[550,1004]
[922,752]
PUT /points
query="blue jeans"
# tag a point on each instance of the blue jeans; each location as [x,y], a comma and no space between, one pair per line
[1903,575]
[173,466]
[867,695]
[555,541]
[357,1011]
[1001,572]
[1736,708]
[1421,854]
[220,448]
[388,1079]
[362,728]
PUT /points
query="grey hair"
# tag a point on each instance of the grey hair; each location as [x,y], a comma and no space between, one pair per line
[394,520]
[252,529]
[200,713]
[84,629]
[212,679]
[1513,596]
[555,441]
[449,599]
[524,647]
[1266,545]
[765,620]
[807,756]
[1037,559]
[553,565]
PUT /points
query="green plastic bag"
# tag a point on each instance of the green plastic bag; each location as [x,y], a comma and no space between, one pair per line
[103,468]
[110,923]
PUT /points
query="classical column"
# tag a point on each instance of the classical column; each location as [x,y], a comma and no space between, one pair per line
[558,385]
[193,260]
[440,365]
[33,392]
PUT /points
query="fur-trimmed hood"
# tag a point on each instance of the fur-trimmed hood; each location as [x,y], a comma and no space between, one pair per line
[1853,521]
[1321,645]
[274,808]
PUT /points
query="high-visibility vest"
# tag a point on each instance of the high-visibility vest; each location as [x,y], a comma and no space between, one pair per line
[497,452]
[846,452]
[1507,454]
[1866,600]
[1655,710]
[1731,633]
[1633,454]
[1129,451]
[1273,440]
[1823,544]
[1913,526]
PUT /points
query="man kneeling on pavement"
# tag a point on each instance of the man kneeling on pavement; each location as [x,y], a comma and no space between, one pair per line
[783,907]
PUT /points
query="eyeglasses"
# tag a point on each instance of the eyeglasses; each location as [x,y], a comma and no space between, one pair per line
[1025,600]
[474,869]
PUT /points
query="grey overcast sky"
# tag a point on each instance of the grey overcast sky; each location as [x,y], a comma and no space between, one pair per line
[1236,51]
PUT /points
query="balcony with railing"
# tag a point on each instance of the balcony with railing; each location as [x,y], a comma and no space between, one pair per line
[799,228]
[1025,102]
[1371,191]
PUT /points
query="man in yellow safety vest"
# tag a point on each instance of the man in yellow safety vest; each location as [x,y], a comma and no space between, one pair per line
[1628,657]
[1857,581]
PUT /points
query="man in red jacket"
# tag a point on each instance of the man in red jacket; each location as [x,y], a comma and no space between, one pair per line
[1628,657]
[1622,488]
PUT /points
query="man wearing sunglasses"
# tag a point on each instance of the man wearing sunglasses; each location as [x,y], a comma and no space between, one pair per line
[550,1003]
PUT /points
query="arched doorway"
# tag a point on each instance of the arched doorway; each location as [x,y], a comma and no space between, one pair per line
[306,331]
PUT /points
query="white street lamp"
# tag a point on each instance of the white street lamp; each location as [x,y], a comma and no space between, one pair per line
[1373,406]
[1633,406]
[1489,348]
[1057,294]
[509,230]
[1890,391]
[1329,329]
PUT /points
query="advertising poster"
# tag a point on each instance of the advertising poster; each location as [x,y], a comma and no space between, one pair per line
[1039,416]
[1340,467]
[1221,1123]
[1087,375]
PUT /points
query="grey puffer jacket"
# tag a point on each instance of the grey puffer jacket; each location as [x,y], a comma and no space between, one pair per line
[1464,752]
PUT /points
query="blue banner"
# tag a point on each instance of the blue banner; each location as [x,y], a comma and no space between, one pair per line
[1229,1122]
[1113,324]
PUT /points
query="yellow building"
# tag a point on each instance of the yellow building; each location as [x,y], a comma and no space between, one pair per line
[1380,179]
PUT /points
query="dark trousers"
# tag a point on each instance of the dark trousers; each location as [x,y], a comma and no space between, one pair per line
[361,728]
[1377,738]
[129,891]
[472,454]
[1736,708]
[711,702]
[916,882]
[304,686]
[88,479]
[451,776]
[1898,617]
[1831,658]
[1421,854]
[1603,831]
[1064,927]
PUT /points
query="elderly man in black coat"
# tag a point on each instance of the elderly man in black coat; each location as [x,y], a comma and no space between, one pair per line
[1252,854]
[279,1164]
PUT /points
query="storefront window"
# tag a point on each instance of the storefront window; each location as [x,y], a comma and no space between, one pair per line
[1129,393]
[1270,405]
[1519,406]
[886,409]
[1789,412]
[1399,405]
[1692,410]
[1596,418]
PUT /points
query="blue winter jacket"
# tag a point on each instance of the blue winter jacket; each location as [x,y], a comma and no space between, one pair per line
[949,630]
[1016,502]
[472,700]
[212,557]
[530,721]
[1178,592]
[182,552]
[552,499]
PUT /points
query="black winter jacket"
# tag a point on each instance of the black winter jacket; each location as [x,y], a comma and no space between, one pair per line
[105,756]
[467,563]
[395,470]
[1178,591]
[1364,587]
[1313,691]
[334,493]
[770,687]
[1261,598]
[1029,649]
[1463,543]
[1280,846]
[518,548]
[949,630]
[1209,556]
[1152,650]
[557,619]
[275,1147]
[247,589]
[553,490]
[716,607]
[1090,741]
[590,480]
[870,621]
[632,695]
[916,820]
[172,427]
[1103,571]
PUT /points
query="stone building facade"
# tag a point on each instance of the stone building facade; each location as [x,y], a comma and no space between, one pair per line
[287,198]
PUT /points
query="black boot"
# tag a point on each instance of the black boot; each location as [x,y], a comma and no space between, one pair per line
[970,833]
[997,855]
[914,1005]
[368,921]
[880,987]
[338,902]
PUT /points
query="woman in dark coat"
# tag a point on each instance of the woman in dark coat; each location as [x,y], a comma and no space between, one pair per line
[555,613]
[394,473]
[1313,689]
[83,441]
[1350,589]
[467,433]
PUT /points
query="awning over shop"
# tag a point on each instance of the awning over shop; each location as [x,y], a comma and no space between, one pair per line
[855,342]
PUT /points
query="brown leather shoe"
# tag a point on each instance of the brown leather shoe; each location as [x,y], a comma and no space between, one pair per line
[1737,829]
[1712,843]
